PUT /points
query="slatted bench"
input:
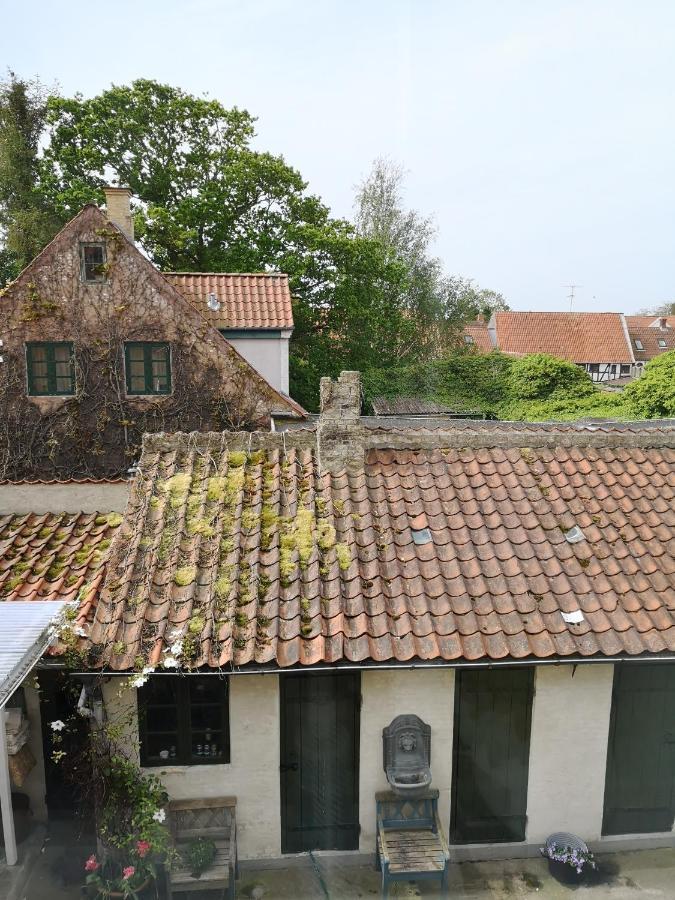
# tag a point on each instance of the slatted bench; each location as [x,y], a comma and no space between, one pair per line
[410,841]
[212,818]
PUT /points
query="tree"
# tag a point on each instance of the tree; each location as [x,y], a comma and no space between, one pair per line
[653,394]
[539,376]
[663,309]
[466,301]
[27,222]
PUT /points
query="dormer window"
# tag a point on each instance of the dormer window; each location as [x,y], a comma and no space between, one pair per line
[639,345]
[662,343]
[468,339]
[92,262]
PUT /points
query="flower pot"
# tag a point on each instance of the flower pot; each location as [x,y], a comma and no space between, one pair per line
[94,892]
[564,873]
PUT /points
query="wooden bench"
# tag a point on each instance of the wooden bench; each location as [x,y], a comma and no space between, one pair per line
[410,841]
[212,818]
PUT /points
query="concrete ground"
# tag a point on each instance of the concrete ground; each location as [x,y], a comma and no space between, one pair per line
[51,869]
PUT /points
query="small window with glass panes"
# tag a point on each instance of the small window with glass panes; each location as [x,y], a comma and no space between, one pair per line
[184,720]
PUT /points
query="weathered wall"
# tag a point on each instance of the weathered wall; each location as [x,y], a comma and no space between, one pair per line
[252,775]
[428,694]
[267,355]
[20,499]
[97,432]
[568,750]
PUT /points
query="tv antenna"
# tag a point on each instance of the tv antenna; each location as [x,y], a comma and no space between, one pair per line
[572,288]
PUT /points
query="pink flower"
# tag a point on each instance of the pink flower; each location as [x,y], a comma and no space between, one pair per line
[128,872]
[142,848]
[91,865]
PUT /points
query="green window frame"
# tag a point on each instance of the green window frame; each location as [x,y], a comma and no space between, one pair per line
[93,262]
[181,714]
[50,368]
[148,367]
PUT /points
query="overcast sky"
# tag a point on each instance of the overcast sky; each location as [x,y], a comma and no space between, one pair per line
[541,135]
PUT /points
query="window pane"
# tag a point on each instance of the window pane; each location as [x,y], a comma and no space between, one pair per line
[156,743]
[162,718]
[64,385]
[160,690]
[136,368]
[137,384]
[39,385]
[136,352]
[38,354]
[206,690]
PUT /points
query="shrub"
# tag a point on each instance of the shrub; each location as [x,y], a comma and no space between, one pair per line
[653,395]
[538,376]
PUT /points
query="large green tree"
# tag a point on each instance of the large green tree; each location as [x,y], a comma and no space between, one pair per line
[27,220]
[653,394]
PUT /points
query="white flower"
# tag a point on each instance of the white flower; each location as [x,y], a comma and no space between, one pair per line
[138,680]
[80,631]
[57,725]
[159,816]
[177,648]
[170,662]
[175,634]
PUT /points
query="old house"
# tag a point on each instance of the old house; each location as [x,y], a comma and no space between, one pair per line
[98,348]
[598,342]
[650,336]
[510,584]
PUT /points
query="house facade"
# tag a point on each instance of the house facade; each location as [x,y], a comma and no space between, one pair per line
[270,602]
[99,348]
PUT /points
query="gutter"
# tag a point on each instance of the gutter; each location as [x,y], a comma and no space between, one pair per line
[416,666]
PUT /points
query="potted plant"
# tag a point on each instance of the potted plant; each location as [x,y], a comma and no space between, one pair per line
[111,878]
[568,857]
[199,856]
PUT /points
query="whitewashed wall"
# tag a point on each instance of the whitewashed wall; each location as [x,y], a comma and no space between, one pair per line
[568,750]
[252,776]
[428,694]
[269,356]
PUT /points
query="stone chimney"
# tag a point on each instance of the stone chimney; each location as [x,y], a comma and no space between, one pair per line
[341,399]
[118,209]
[663,323]
[340,434]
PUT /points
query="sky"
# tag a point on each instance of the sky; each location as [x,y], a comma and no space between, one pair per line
[539,135]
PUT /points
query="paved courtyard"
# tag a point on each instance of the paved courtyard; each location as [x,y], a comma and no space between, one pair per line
[52,861]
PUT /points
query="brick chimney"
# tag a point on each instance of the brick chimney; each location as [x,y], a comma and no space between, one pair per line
[118,209]
[340,435]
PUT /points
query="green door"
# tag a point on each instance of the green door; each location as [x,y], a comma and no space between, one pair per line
[492,749]
[641,750]
[319,761]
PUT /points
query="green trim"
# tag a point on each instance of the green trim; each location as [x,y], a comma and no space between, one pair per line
[147,347]
[49,348]
[182,738]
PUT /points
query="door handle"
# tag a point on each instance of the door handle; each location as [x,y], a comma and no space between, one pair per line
[289,767]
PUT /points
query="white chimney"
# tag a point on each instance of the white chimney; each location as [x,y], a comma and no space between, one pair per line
[118,209]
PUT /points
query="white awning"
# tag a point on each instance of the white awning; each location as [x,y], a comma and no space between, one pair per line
[24,637]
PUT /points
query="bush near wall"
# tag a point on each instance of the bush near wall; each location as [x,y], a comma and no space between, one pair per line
[534,388]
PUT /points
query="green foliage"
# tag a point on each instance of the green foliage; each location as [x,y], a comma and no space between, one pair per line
[199,856]
[538,376]
[653,394]
[530,388]
[27,220]
[462,381]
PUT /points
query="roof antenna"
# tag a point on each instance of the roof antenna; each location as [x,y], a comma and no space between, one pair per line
[572,288]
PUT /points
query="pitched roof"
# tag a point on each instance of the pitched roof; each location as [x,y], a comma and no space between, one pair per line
[578,337]
[649,321]
[480,335]
[246,555]
[55,556]
[260,300]
[654,341]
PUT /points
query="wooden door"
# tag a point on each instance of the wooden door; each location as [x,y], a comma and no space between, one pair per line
[491,754]
[641,750]
[319,761]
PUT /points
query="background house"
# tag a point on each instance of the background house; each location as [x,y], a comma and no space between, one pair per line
[598,342]
[99,348]
[650,336]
